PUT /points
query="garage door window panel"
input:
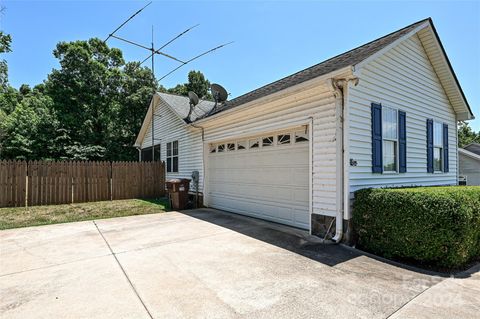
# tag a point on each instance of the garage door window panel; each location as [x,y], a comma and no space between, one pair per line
[254,143]
[301,136]
[267,141]
[283,139]
[242,145]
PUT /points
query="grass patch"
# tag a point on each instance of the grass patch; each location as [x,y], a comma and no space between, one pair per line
[15,217]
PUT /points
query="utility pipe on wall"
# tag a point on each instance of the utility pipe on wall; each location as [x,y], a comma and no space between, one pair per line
[340,89]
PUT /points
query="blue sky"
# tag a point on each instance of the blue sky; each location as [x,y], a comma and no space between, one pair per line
[272,39]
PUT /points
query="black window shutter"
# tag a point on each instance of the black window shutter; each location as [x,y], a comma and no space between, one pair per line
[377,160]
[402,141]
[429,145]
[445,147]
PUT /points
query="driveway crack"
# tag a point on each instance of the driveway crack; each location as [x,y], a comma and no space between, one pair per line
[123,271]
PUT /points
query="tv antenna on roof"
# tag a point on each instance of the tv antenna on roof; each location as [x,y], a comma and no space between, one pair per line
[158,51]
[193,97]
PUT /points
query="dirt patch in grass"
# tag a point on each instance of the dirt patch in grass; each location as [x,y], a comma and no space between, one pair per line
[43,215]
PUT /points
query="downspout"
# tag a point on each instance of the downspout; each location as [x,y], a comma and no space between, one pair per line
[139,153]
[340,87]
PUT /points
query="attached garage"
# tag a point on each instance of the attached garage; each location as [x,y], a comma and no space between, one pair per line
[294,151]
[264,176]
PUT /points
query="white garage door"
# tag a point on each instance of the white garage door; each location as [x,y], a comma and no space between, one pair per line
[264,177]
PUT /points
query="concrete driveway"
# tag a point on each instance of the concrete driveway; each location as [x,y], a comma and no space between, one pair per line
[209,264]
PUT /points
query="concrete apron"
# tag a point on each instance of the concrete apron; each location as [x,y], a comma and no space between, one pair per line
[206,263]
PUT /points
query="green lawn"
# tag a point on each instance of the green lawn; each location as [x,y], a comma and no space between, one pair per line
[14,217]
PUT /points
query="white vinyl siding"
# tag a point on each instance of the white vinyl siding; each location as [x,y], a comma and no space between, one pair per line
[404,79]
[168,128]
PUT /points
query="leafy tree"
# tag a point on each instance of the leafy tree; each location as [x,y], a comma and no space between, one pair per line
[196,83]
[84,90]
[467,135]
[136,89]
[3,129]
[5,42]
[28,130]
[90,108]
[9,98]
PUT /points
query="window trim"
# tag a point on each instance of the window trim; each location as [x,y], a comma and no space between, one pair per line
[172,156]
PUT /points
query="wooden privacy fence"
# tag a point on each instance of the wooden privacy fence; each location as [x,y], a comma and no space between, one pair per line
[47,182]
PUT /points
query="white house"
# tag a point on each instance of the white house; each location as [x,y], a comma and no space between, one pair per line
[295,150]
[469,163]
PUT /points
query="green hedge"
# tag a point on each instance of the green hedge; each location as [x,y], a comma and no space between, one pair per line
[437,226]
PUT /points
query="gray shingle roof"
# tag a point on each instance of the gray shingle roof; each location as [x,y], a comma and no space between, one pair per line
[473,147]
[181,106]
[348,58]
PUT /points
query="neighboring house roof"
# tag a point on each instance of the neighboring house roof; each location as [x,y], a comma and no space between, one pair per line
[469,154]
[473,148]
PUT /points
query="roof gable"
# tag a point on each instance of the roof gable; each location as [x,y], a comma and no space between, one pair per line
[178,104]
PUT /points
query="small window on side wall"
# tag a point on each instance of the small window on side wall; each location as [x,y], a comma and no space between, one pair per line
[437,147]
[172,157]
[390,139]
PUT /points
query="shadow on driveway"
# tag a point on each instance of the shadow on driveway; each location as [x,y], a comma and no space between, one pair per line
[294,240]
[282,236]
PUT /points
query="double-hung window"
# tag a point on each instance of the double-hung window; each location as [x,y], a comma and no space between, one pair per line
[437,147]
[390,139]
[172,157]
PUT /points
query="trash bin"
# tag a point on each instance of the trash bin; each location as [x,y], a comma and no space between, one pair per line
[178,192]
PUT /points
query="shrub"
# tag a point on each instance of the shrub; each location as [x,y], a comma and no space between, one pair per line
[437,226]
